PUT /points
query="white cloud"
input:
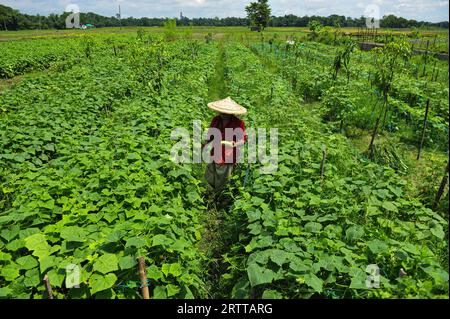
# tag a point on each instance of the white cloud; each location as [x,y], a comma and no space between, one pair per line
[428,10]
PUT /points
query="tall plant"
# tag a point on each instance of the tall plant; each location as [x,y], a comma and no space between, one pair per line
[386,64]
[342,59]
[170,27]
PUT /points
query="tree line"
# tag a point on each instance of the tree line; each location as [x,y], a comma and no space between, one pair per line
[12,20]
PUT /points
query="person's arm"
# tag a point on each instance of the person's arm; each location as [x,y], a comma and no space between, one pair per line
[244,139]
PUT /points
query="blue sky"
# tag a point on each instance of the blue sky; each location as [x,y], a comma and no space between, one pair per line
[427,10]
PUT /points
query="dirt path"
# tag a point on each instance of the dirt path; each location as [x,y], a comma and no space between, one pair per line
[216,230]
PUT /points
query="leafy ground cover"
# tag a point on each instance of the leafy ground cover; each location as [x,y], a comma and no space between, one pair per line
[308,237]
[87,180]
[86,177]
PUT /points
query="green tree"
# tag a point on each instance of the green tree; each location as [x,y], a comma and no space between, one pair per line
[170,29]
[259,13]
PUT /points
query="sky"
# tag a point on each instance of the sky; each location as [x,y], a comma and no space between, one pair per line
[422,10]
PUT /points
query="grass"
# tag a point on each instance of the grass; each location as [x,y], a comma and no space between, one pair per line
[217,85]
[9,83]
[422,176]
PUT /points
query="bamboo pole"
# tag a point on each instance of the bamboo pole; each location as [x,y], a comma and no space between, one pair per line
[322,165]
[424,128]
[143,278]
[441,188]
[434,70]
[48,287]
[426,59]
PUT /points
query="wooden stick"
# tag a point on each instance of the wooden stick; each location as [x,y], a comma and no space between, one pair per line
[426,59]
[322,165]
[423,130]
[48,287]
[441,188]
[143,277]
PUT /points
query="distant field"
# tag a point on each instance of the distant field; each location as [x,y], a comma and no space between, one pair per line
[197,31]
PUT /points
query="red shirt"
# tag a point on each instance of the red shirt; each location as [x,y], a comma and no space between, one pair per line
[236,133]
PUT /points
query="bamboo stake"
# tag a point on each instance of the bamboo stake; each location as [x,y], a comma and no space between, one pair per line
[143,277]
[426,59]
[423,130]
[48,287]
[322,165]
[436,77]
[441,188]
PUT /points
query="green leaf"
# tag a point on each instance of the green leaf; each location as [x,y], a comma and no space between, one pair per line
[99,282]
[5,256]
[56,277]
[354,233]
[377,246]
[5,292]
[165,268]
[27,262]
[11,233]
[253,215]
[127,262]
[36,241]
[373,211]
[106,264]
[24,233]
[241,290]
[136,242]
[154,273]
[134,156]
[272,294]
[171,269]
[390,206]
[172,290]
[279,257]
[160,292]
[438,274]
[161,240]
[438,231]
[299,265]
[188,293]
[314,282]
[255,228]
[106,294]
[115,236]
[258,275]
[313,227]
[74,233]
[16,244]
[32,278]
[358,278]
[10,272]
[47,262]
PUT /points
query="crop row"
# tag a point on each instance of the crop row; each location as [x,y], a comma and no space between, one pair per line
[87,181]
[309,68]
[305,236]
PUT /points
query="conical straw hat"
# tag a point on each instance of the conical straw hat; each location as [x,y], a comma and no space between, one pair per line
[227,106]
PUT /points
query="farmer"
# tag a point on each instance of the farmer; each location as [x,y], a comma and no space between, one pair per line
[230,137]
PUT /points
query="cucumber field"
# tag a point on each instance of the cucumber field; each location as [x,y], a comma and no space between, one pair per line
[87,181]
